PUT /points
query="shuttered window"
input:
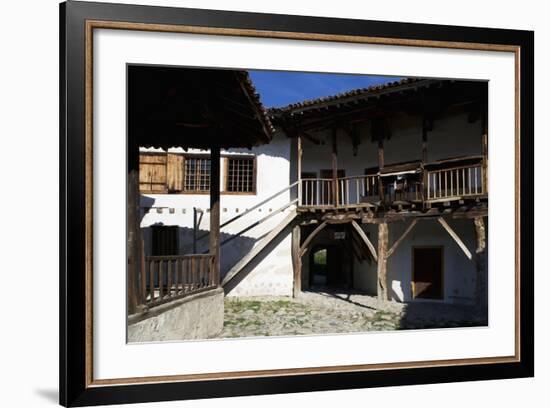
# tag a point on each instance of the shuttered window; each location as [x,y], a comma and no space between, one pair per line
[240,175]
[152,172]
[160,172]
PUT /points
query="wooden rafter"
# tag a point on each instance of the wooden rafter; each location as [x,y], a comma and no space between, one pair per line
[401,238]
[365,239]
[305,245]
[456,238]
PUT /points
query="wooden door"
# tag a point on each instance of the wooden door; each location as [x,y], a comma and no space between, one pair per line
[427,264]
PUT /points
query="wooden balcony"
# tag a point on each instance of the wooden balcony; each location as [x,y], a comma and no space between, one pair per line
[410,184]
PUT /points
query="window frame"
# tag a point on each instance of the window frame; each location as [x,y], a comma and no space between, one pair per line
[187,156]
[228,157]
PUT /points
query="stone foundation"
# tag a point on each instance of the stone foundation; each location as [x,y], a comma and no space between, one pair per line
[198,316]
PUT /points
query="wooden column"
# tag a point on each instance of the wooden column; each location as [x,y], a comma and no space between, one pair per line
[484,142]
[299,168]
[214,243]
[380,167]
[479,258]
[133,229]
[426,126]
[334,167]
[382,261]
[296,261]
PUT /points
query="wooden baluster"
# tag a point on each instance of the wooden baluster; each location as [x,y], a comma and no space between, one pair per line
[143,280]
[317,201]
[152,280]
[475,180]
[194,278]
[161,279]
[452,190]
[176,275]
[169,283]
[185,275]
[469,180]
[457,182]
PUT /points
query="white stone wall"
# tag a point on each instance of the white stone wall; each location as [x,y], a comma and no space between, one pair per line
[198,316]
[458,271]
[273,174]
[452,136]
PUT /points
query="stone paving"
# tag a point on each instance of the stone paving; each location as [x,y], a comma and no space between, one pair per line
[323,312]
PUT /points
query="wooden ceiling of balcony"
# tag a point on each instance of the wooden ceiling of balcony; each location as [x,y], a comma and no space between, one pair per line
[194,107]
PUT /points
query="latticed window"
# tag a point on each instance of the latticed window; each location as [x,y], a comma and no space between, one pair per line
[197,174]
[241,175]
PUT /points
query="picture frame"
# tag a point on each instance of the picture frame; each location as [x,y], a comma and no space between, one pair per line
[78,20]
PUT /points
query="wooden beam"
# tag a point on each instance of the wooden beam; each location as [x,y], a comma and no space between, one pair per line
[334,167]
[296,261]
[311,138]
[480,259]
[456,238]
[299,168]
[304,247]
[380,167]
[365,239]
[382,261]
[484,141]
[214,242]
[401,238]
[134,232]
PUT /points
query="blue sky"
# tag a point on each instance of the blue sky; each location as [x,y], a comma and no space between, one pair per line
[278,88]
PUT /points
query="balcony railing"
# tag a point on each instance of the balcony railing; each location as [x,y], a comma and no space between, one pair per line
[166,278]
[439,185]
[344,191]
[455,183]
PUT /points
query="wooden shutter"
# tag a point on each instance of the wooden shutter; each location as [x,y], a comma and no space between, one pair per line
[152,173]
[174,169]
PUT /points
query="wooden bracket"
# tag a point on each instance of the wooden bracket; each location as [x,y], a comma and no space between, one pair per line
[456,238]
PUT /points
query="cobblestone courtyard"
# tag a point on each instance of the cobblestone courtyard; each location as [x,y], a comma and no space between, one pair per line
[323,312]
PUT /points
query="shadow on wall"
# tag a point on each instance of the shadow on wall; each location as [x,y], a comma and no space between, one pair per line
[231,253]
[256,261]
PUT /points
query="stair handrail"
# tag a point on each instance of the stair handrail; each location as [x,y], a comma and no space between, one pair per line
[253,208]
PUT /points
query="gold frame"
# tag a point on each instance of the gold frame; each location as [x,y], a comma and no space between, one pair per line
[99,24]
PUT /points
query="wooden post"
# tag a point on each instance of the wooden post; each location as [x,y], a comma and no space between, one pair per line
[484,141]
[382,261]
[133,228]
[296,260]
[299,169]
[194,230]
[334,167]
[380,167]
[214,243]
[425,128]
[425,180]
[479,258]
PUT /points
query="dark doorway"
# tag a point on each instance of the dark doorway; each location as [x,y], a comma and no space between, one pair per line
[427,279]
[329,267]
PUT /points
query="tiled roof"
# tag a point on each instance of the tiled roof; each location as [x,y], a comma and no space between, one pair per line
[355,94]
[255,98]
